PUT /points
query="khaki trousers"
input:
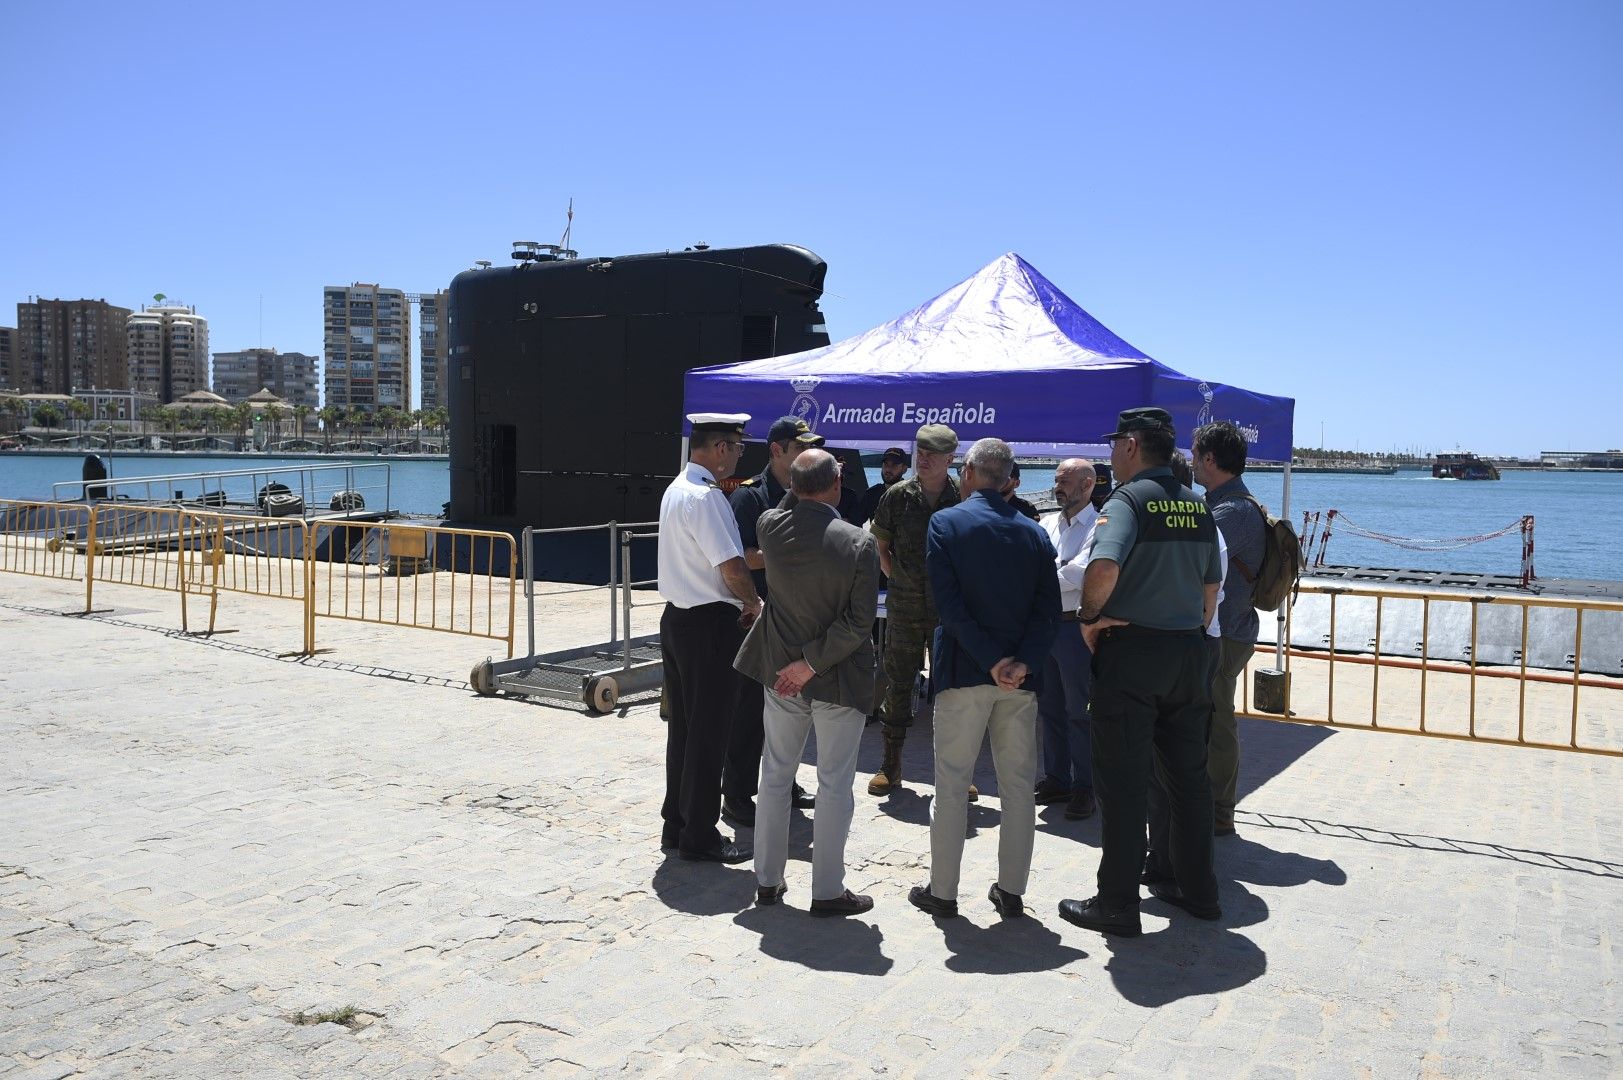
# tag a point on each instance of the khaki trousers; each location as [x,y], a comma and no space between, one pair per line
[963,717]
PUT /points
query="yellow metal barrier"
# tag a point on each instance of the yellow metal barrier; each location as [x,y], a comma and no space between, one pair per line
[1372,685]
[458,581]
[140,546]
[248,554]
[43,539]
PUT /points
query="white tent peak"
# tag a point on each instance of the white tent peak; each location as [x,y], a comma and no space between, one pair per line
[1002,316]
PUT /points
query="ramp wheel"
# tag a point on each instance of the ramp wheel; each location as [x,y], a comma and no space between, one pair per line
[482,679]
[602,692]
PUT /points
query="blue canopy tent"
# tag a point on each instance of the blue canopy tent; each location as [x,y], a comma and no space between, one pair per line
[1004,353]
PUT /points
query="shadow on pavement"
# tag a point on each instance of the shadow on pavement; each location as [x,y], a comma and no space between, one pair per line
[794,936]
[1189,957]
[1006,947]
[703,888]
[1269,747]
[1246,860]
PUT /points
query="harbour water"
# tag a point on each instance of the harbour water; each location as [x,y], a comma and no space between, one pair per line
[1572,529]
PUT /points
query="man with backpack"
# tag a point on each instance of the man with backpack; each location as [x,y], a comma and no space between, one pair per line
[1219,460]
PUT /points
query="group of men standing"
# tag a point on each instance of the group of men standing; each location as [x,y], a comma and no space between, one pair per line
[1092,624]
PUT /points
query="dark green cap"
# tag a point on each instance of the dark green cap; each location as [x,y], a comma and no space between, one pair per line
[937,438]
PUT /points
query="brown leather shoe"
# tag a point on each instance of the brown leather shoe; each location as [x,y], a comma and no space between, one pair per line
[847,903]
[766,895]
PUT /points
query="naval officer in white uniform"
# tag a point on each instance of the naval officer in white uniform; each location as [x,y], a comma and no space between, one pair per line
[710,600]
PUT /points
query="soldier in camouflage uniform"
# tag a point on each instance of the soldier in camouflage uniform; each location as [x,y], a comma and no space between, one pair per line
[899,525]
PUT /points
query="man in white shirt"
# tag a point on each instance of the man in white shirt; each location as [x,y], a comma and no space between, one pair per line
[710,600]
[1063,702]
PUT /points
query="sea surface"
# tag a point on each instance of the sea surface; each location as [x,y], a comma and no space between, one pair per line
[1573,512]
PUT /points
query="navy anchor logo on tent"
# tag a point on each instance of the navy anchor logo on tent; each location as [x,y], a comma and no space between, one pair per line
[1205,416]
[805,406]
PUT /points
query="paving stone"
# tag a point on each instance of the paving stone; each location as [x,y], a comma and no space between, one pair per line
[485,873]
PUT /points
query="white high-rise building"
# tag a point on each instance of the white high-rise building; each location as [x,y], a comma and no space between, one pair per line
[434,337]
[168,351]
[367,336]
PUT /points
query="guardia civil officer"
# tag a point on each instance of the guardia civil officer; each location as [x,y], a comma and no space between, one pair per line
[786,439]
[1149,591]
[710,600]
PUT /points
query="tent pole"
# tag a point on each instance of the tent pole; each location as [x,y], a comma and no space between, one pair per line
[1279,616]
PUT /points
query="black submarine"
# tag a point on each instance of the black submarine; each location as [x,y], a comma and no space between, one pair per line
[565,380]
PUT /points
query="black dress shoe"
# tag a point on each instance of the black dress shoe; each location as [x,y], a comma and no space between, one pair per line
[922,898]
[1081,805]
[1051,791]
[847,903]
[1168,892]
[801,799]
[726,853]
[739,813]
[1092,915]
[767,895]
[1007,904]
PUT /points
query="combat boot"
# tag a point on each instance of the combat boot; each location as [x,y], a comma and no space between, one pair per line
[889,776]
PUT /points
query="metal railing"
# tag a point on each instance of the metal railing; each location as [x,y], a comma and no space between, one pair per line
[315,485]
[250,555]
[41,539]
[1484,668]
[456,581]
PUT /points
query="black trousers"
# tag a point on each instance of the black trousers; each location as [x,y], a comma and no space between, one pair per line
[741,777]
[1151,710]
[1158,863]
[701,687]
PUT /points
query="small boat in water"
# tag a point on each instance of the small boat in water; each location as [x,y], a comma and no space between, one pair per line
[1463,467]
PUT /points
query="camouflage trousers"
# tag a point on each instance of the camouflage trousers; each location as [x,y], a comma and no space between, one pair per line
[907,640]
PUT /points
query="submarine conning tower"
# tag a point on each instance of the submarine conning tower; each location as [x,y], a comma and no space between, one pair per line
[565,374]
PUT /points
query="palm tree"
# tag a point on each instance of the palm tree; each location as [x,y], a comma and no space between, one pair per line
[78,410]
[417,430]
[273,416]
[301,413]
[47,415]
[329,415]
[242,414]
[388,420]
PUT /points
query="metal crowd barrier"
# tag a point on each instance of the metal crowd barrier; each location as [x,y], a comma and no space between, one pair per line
[1505,669]
[143,547]
[457,581]
[41,539]
[247,554]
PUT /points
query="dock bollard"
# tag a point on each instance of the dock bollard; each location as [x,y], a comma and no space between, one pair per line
[1271,691]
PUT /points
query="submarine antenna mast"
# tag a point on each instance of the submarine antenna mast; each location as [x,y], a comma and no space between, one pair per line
[569,224]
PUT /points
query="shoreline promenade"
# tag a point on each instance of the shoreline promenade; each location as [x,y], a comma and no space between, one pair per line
[203,843]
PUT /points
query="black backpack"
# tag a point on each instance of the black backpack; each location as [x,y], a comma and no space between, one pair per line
[1278,578]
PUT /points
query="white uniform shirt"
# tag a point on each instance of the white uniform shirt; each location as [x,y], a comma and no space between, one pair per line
[697,533]
[1072,546]
[1223,551]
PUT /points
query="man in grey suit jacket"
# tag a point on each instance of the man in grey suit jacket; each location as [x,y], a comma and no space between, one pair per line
[813,651]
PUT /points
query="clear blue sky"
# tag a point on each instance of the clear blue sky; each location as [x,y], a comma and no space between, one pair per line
[1407,216]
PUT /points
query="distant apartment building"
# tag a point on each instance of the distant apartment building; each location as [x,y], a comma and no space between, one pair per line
[291,376]
[69,343]
[434,340]
[367,341]
[168,351]
[9,346]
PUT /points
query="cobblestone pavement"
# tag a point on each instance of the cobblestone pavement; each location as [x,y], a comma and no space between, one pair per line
[199,842]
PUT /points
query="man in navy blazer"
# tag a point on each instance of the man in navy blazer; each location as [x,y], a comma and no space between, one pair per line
[991,574]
